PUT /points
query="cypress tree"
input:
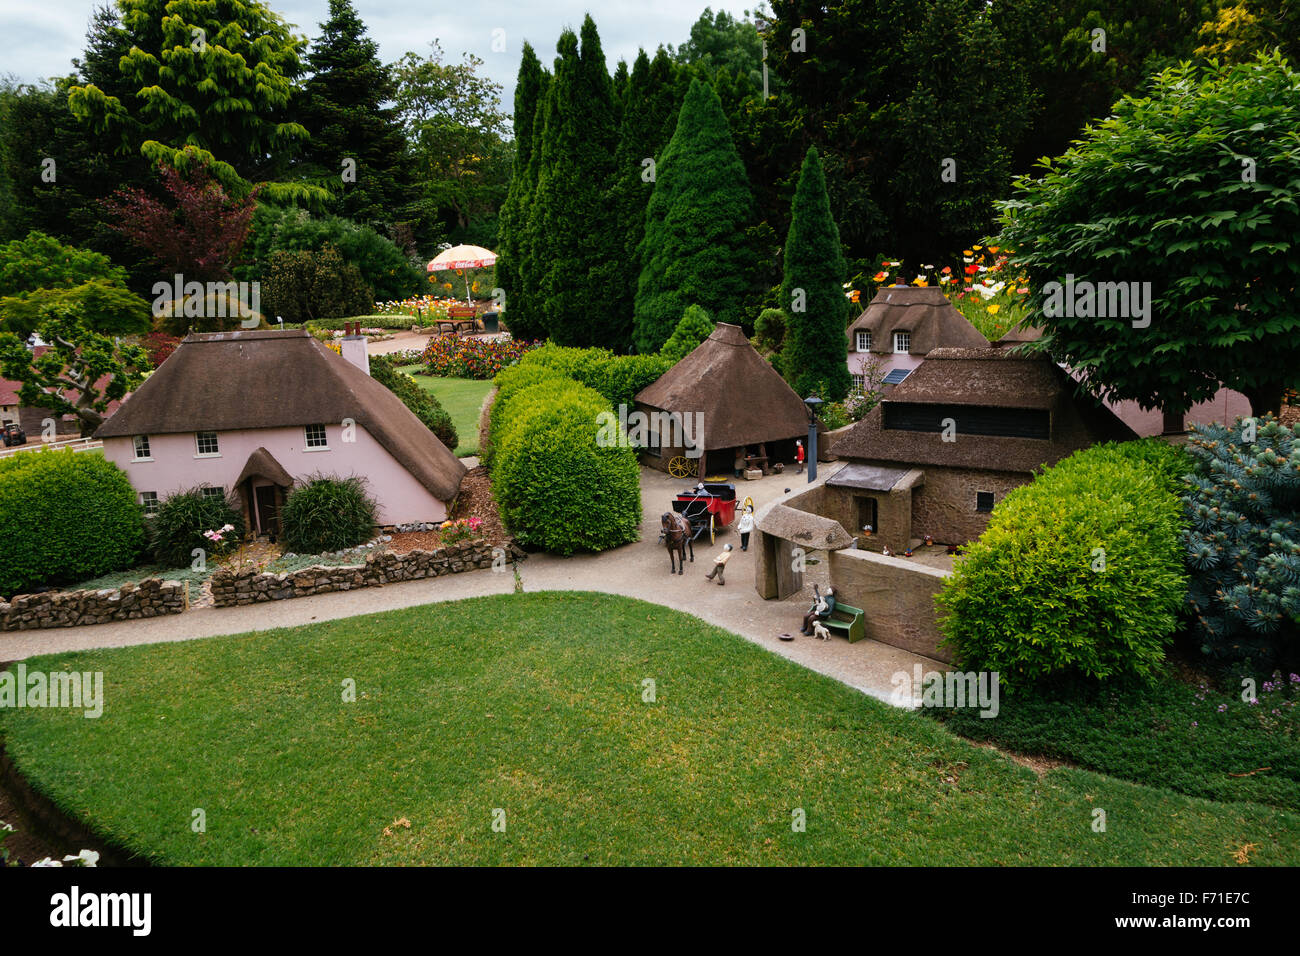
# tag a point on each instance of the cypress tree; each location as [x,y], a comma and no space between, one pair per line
[649,116]
[812,293]
[577,244]
[696,248]
[513,268]
[342,107]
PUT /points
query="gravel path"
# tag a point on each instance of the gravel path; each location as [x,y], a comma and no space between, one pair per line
[637,570]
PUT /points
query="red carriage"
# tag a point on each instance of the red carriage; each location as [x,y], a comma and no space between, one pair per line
[709,506]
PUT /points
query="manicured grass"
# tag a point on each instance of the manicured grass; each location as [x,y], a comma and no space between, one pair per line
[462,398]
[1197,739]
[533,704]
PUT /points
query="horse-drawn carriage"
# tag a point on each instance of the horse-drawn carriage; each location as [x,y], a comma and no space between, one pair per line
[708,507]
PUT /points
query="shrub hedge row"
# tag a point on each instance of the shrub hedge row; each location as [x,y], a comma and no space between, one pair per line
[1080,572]
[64,516]
[617,377]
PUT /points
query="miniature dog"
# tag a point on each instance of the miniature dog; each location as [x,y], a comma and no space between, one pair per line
[820,632]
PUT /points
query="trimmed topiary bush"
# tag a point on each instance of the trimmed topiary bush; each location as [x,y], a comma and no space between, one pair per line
[64,517]
[1243,544]
[1079,573]
[424,404]
[617,377]
[177,529]
[509,383]
[327,514]
[557,488]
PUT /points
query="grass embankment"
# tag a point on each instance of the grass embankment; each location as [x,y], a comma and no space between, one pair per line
[462,398]
[532,704]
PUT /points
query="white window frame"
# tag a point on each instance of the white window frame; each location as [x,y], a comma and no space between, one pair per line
[902,343]
[198,445]
[859,383]
[213,491]
[863,341]
[307,438]
[150,505]
[135,448]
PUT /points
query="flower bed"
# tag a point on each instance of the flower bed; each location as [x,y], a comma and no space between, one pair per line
[457,357]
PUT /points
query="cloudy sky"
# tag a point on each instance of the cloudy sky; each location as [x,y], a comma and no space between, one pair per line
[39,38]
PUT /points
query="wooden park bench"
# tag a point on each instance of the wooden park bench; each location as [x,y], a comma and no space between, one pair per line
[848,620]
[461,318]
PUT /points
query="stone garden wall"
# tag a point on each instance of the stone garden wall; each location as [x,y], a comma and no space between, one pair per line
[897,596]
[149,598]
[231,587]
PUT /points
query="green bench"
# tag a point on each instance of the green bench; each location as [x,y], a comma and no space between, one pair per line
[849,620]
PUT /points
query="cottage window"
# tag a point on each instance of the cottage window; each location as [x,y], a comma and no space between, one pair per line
[316,437]
[864,341]
[213,492]
[142,448]
[902,343]
[149,501]
[983,501]
[859,383]
[206,443]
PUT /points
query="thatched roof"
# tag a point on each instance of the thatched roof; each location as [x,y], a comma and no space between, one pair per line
[225,381]
[1020,333]
[802,527]
[744,400]
[926,313]
[987,378]
[262,464]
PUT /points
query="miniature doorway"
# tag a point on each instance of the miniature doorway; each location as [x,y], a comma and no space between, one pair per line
[868,515]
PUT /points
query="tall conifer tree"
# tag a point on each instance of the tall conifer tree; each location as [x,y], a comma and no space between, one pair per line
[812,293]
[697,246]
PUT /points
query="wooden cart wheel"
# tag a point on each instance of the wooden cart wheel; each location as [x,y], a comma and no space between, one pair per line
[681,467]
[713,531]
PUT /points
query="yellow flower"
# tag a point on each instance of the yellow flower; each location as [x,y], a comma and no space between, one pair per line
[993,309]
[977,247]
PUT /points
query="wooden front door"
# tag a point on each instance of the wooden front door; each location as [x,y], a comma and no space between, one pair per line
[268,509]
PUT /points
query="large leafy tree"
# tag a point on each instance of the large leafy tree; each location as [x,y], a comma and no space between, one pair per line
[197,232]
[1192,189]
[812,293]
[516,271]
[41,277]
[205,81]
[577,244]
[80,372]
[343,106]
[697,248]
[894,96]
[722,41]
[456,127]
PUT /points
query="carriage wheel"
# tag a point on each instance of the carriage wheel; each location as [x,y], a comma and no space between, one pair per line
[682,467]
[713,531]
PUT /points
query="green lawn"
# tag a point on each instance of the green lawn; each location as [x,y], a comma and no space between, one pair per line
[532,704]
[462,398]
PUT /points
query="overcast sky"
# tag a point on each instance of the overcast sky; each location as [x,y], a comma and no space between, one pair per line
[39,38]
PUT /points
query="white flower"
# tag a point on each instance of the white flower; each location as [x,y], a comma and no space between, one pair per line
[47,862]
[84,858]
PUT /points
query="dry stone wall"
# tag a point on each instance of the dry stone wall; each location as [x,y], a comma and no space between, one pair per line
[233,587]
[148,598]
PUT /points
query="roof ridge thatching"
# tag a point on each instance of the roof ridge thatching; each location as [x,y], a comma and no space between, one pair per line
[922,311]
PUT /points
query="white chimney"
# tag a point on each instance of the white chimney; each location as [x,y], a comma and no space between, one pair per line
[354,346]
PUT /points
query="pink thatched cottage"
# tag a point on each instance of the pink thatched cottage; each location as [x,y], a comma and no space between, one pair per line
[899,327]
[249,413]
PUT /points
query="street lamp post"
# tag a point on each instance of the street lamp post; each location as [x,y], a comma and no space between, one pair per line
[814,403]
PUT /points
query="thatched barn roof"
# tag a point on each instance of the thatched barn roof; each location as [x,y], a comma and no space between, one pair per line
[976,388]
[227,381]
[925,313]
[802,527]
[744,400]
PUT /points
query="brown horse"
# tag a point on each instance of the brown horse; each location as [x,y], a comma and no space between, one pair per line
[675,533]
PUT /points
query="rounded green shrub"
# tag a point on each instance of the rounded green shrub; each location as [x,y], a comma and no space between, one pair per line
[327,514]
[182,518]
[64,517]
[1080,573]
[509,382]
[557,488]
[693,328]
